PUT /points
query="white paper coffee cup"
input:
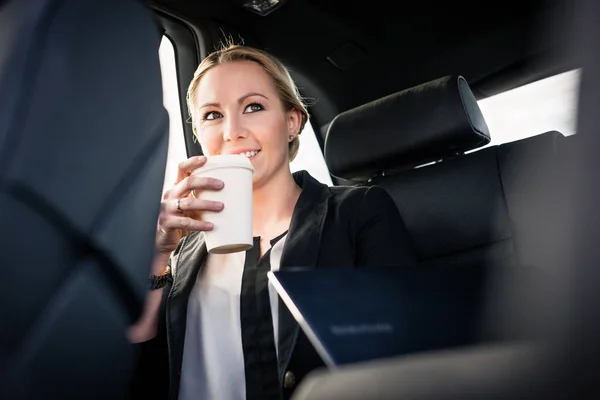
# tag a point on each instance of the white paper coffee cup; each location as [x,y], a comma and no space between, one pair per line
[232,230]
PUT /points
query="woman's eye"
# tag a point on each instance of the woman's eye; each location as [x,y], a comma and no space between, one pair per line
[212,115]
[254,107]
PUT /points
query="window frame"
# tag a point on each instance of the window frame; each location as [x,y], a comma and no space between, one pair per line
[185,46]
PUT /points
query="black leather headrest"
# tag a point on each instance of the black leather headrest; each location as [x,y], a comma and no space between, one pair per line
[422,124]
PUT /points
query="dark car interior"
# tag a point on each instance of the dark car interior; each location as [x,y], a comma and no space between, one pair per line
[395,93]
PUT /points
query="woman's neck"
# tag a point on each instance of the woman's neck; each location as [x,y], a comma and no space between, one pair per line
[273,204]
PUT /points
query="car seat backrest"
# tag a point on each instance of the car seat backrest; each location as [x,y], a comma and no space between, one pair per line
[83,145]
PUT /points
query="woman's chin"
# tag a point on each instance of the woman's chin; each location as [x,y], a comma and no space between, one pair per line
[256,178]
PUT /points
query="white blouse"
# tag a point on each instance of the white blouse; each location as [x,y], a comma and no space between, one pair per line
[213,358]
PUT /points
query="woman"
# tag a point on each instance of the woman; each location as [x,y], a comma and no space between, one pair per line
[228,335]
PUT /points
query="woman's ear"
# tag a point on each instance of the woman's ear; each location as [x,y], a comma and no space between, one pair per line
[294,121]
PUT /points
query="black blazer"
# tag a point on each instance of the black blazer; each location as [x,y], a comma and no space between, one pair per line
[330,227]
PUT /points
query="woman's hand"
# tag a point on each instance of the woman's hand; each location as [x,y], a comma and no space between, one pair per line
[180,211]
[180,214]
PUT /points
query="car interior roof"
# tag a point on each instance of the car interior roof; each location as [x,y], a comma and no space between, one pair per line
[344,53]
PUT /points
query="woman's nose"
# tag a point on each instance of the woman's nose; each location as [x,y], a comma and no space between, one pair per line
[234,130]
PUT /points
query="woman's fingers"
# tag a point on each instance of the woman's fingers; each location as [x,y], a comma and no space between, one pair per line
[174,222]
[181,213]
[185,168]
[177,206]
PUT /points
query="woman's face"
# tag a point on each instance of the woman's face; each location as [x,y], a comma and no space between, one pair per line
[239,111]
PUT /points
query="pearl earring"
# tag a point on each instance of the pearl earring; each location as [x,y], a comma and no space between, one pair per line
[291,138]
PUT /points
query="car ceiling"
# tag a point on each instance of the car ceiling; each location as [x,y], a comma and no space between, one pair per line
[384,47]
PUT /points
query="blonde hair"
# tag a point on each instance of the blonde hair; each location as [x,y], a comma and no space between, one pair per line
[279,74]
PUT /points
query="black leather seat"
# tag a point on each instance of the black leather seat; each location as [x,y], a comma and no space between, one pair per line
[83,145]
[482,208]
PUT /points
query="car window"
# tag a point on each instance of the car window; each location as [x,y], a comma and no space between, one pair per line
[310,157]
[177,151]
[546,105]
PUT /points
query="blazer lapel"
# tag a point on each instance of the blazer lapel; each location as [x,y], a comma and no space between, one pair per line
[191,258]
[301,249]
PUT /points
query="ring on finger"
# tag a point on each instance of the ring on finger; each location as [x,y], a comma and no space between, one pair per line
[178,206]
